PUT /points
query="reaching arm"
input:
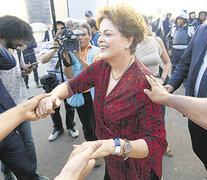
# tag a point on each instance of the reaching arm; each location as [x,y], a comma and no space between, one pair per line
[10,119]
[46,57]
[139,148]
[166,60]
[194,108]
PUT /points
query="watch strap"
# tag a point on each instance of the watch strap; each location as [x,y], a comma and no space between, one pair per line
[117,146]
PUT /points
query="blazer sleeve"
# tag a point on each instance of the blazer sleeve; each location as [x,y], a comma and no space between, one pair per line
[7,60]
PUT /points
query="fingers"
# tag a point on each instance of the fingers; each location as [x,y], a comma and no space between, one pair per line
[153,81]
[41,96]
[92,148]
[149,79]
[147,92]
[169,88]
[85,149]
[46,105]
[91,164]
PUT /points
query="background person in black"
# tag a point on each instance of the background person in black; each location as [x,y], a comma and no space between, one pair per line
[29,58]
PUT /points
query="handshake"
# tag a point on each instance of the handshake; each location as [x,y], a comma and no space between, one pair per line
[78,165]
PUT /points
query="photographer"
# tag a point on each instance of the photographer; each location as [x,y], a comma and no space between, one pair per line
[49,57]
[82,58]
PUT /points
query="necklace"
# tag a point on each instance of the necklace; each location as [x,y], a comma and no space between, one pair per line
[130,62]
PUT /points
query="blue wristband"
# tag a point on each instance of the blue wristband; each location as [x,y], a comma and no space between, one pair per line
[117,146]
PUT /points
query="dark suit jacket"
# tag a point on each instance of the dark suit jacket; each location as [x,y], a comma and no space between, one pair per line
[190,60]
[7,62]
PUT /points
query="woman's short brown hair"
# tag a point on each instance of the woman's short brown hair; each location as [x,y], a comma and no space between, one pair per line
[126,19]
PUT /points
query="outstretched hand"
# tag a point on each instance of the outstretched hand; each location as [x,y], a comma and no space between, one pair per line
[47,105]
[80,165]
[158,93]
[31,105]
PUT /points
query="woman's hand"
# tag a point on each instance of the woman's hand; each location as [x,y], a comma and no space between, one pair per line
[47,105]
[107,148]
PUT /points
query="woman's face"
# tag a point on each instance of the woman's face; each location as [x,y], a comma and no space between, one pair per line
[111,42]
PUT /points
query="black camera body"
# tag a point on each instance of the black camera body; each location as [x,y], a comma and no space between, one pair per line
[69,41]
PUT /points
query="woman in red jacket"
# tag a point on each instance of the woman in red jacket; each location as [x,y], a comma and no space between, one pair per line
[128,123]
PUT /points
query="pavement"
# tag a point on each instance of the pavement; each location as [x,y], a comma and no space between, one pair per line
[184,165]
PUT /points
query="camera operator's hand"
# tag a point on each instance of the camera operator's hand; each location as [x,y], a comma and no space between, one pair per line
[48,56]
[78,53]
[56,43]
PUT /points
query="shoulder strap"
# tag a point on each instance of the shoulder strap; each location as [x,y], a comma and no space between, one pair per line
[19,53]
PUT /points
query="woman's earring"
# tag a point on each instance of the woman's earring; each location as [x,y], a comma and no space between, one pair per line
[127,47]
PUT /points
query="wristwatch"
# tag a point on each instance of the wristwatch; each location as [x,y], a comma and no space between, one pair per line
[126,149]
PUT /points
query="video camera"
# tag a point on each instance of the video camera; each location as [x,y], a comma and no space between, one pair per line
[69,41]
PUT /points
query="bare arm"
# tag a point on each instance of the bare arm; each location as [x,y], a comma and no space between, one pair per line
[10,119]
[194,108]
[68,71]
[139,148]
[61,91]
[46,57]
[166,60]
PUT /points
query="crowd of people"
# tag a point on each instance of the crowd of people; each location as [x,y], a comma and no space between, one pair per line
[117,79]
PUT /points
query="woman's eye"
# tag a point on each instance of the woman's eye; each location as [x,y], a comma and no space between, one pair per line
[107,34]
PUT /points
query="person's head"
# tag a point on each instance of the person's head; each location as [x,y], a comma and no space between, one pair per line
[192,15]
[14,32]
[88,15]
[70,24]
[202,15]
[168,15]
[148,29]
[93,26]
[84,39]
[120,28]
[158,19]
[181,18]
[60,26]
